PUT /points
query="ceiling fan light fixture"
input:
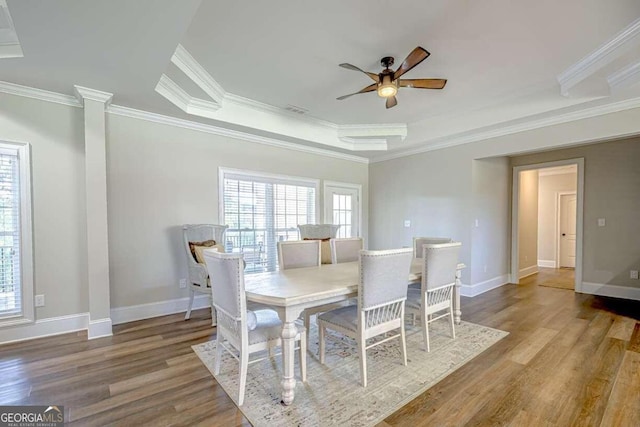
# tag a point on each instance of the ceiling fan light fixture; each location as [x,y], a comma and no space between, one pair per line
[387,87]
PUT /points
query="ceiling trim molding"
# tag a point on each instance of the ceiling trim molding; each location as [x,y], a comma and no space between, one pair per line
[40,94]
[182,59]
[365,144]
[506,129]
[181,99]
[202,127]
[602,56]
[624,77]
[83,93]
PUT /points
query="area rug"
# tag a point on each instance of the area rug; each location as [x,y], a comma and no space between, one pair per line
[333,395]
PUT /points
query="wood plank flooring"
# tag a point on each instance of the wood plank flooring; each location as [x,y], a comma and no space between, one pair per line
[570,359]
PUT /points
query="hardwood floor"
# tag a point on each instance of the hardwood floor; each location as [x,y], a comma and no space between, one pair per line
[569,359]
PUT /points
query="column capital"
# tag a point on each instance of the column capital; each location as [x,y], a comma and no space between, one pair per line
[83,93]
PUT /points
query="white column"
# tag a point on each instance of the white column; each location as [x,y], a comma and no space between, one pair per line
[95,102]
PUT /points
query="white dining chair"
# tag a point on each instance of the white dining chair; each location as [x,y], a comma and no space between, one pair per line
[440,262]
[382,292]
[298,254]
[419,241]
[194,237]
[240,330]
[345,250]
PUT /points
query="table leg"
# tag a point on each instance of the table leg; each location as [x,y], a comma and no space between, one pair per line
[457,312]
[289,332]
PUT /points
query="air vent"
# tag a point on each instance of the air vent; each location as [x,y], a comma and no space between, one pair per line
[297,110]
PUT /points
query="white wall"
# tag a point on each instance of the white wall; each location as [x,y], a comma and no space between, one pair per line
[160,177]
[548,189]
[55,133]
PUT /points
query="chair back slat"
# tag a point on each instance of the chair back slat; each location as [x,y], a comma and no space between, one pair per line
[383,277]
[345,250]
[440,264]
[299,254]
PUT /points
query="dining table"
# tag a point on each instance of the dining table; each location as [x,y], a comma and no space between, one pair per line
[290,291]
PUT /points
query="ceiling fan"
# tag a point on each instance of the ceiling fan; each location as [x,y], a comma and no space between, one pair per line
[388,81]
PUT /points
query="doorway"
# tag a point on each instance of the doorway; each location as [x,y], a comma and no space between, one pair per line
[547,223]
[342,207]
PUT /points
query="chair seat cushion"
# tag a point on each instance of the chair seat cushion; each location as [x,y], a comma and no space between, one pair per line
[268,326]
[344,317]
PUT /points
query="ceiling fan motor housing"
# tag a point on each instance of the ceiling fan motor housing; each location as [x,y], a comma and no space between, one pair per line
[387,61]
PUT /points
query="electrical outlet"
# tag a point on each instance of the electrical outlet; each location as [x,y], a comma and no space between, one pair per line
[602,222]
[407,223]
[634,274]
[39,300]
[477,223]
[485,268]
[183,283]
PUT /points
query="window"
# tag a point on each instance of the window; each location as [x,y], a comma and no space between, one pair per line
[261,210]
[16,279]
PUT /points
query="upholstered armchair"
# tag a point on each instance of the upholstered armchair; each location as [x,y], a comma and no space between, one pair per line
[195,238]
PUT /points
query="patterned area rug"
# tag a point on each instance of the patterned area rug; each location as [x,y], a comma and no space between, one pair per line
[333,395]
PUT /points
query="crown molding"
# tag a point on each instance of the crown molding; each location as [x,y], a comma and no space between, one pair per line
[181,99]
[365,144]
[83,93]
[605,54]
[508,129]
[625,77]
[41,94]
[182,59]
[206,128]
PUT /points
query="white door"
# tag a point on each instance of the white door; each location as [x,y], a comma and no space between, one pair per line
[342,206]
[567,230]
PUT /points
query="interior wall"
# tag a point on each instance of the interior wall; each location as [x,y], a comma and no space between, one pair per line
[528,223]
[56,135]
[548,189]
[160,177]
[429,191]
[491,210]
[611,183]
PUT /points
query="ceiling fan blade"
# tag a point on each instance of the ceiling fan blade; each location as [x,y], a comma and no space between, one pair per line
[415,57]
[373,76]
[392,102]
[423,83]
[369,88]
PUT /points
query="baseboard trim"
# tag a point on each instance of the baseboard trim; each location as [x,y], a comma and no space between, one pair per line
[614,291]
[525,272]
[482,287]
[547,263]
[156,309]
[99,328]
[45,328]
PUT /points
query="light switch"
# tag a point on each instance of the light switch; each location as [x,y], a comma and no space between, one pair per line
[477,223]
[601,222]
[407,223]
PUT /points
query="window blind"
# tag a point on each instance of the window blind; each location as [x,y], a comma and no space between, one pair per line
[262,210]
[10,276]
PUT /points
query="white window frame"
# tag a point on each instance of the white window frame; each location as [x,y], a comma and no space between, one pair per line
[26,235]
[286,179]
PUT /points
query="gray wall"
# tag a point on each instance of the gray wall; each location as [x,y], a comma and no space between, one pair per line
[528,223]
[548,188]
[160,177]
[55,133]
[612,191]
